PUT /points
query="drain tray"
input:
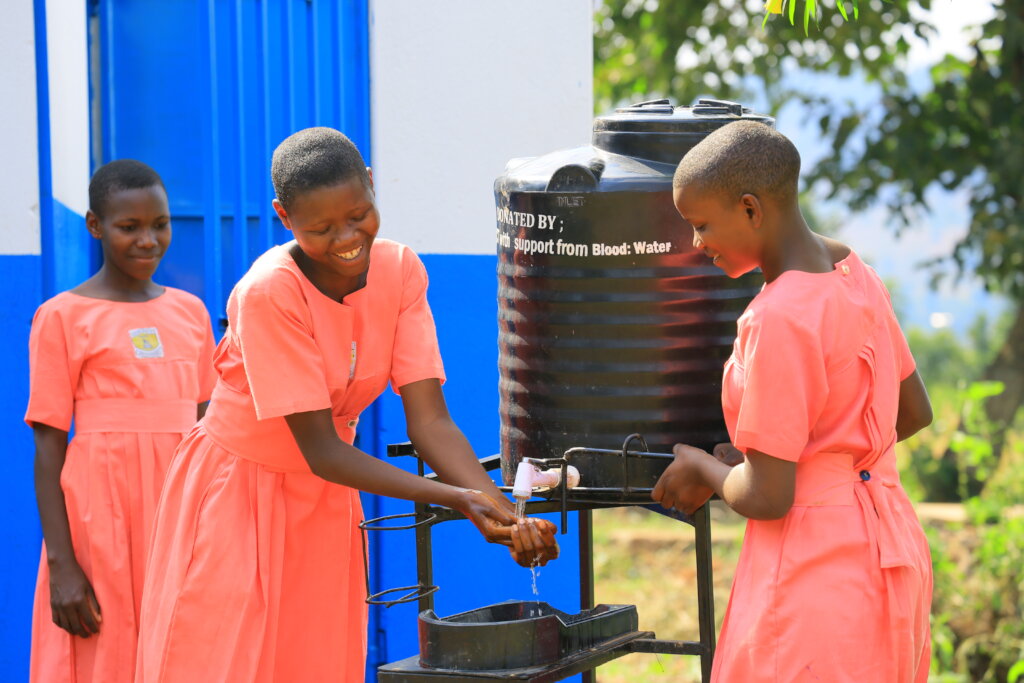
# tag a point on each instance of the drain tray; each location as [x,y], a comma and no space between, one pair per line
[517,634]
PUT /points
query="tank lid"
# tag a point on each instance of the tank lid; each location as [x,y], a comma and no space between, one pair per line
[658,131]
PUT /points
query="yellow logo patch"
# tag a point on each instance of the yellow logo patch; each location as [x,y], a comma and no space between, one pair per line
[146,342]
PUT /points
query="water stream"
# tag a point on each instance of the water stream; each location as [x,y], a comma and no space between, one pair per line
[521,514]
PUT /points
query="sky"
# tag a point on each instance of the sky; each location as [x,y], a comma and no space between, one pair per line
[955,304]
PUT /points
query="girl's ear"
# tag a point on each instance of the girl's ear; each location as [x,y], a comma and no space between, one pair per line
[369,172]
[753,209]
[282,213]
[92,224]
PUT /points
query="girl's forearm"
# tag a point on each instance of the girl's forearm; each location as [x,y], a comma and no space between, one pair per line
[736,487]
[332,459]
[444,447]
[51,450]
[347,465]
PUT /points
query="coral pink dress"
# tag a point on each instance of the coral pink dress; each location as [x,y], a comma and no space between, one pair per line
[130,375]
[256,573]
[839,589]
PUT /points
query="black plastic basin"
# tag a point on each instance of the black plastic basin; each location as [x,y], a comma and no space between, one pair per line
[516,634]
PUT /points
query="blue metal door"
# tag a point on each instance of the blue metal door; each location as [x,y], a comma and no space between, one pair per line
[203,90]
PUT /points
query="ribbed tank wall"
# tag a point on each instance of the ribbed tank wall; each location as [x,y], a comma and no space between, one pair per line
[610,323]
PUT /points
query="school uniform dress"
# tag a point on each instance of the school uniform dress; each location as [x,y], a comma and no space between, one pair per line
[129,376]
[257,571]
[839,589]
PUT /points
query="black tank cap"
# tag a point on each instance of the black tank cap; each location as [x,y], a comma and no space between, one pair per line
[658,131]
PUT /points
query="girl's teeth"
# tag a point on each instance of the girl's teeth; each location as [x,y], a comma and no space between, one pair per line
[351,254]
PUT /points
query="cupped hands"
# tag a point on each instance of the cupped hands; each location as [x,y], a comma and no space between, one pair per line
[682,485]
[531,541]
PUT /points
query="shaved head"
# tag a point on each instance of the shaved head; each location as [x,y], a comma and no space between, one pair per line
[314,158]
[743,157]
[123,174]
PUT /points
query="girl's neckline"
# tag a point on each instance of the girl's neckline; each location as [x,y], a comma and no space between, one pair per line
[841,267]
[345,301]
[118,301]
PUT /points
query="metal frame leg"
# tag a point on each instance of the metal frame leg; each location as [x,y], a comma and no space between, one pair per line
[705,589]
[424,547]
[424,560]
[585,522]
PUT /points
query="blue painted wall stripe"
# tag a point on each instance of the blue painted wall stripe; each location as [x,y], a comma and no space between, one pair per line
[22,537]
[43,128]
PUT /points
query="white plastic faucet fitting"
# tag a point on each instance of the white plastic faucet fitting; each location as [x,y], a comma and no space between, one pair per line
[529,477]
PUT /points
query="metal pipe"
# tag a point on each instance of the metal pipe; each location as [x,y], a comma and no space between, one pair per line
[266,220]
[240,234]
[318,118]
[289,65]
[212,239]
[353,58]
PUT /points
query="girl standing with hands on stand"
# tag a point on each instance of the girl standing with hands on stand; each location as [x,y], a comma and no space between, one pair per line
[834,579]
[257,572]
[130,363]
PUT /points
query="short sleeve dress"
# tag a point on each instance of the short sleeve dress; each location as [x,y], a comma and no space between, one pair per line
[256,571]
[128,376]
[839,589]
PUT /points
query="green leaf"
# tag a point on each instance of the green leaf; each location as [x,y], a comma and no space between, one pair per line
[978,391]
[1016,672]
[810,7]
[792,12]
[842,9]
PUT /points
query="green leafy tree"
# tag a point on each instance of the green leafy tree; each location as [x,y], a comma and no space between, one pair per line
[961,128]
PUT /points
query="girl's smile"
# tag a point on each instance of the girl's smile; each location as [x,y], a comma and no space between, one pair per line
[726,232]
[334,227]
[350,255]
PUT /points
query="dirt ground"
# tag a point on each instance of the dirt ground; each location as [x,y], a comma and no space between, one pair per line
[644,559]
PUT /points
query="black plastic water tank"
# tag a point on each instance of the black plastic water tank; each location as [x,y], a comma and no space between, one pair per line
[609,321]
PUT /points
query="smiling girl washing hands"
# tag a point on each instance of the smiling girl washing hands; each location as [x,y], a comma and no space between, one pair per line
[257,568]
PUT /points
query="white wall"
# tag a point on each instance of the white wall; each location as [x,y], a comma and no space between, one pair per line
[19,167]
[459,87]
[68,66]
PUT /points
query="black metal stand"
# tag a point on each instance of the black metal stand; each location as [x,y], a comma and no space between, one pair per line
[409,670]
[585,519]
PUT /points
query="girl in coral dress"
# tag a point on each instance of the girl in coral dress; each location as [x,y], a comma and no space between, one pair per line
[834,579]
[256,573]
[129,362]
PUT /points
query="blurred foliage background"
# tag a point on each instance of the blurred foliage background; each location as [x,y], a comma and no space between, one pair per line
[893,139]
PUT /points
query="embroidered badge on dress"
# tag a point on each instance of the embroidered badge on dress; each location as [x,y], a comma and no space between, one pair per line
[146,342]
